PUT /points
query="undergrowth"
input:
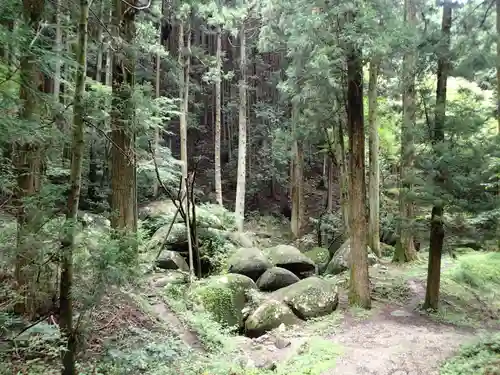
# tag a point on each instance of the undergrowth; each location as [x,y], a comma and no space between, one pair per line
[480,358]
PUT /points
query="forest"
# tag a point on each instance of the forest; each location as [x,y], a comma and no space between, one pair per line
[250,187]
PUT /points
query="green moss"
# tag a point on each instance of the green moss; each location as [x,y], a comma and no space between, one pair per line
[318,255]
[224,297]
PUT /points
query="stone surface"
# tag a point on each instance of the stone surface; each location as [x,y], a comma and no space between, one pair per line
[276,278]
[309,298]
[271,314]
[250,262]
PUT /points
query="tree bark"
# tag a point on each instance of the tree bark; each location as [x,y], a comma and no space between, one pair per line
[123,178]
[498,63]
[68,243]
[58,46]
[218,174]
[437,227]
[156,135]
[27,166]
[296,176]
[359,291]
[344,175]
[242,135]
[374,170]
[405,248]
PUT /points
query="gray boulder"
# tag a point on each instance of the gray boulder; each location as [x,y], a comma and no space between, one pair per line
[250,262]
[309,298]
[340,261]
[170,260]
[276,278]
[223,297]
[271,314]
[290,258]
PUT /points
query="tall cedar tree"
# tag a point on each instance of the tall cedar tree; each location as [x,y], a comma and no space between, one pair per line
[123,174]
[405,249]
[437,227]
[27,162]
[77,148]
[359,293]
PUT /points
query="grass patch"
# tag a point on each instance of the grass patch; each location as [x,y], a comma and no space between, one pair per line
[480,358]
[478,270]
[470,290]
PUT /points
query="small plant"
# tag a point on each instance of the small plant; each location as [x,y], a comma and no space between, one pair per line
[480,358]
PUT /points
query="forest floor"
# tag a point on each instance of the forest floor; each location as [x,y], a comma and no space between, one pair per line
[393,338]
[151,328]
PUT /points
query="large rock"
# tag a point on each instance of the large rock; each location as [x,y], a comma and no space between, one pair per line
[340,261]
[276,278]
[290,258]
[176,241]
[241,239]
[224,297]
[170,260]
[157,209]
[250,262]
[309,298]
[271,314]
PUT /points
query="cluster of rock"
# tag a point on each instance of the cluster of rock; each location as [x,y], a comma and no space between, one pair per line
[265,289]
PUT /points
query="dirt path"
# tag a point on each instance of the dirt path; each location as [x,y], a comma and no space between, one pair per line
[396,341]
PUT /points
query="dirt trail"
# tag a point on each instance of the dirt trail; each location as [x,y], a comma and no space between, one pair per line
[396,341]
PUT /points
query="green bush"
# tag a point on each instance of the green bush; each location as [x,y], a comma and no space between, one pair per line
[480,358]
[478,270]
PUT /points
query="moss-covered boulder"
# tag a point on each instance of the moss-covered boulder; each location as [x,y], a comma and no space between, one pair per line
[309,298]
[271,314]
[176,241]
[290,258]
[224,297]
[248,261]
[340,261]
[170,260]
[241,239]
[318,255]
[276,278]
[156,209]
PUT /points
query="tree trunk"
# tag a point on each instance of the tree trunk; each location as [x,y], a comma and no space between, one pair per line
[498,63]
[297,177]
[437,227]
[374,172]
[242,135]
[359,293]
[156,135]
[123,182]
[344,178]
[58,51]
[27,167]
[405,248]
[218,174]
[108,81]
[185,60]
[330,192]
[68,243]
